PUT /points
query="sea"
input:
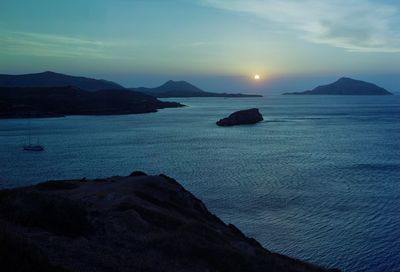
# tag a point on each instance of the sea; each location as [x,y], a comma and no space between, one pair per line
[318,179]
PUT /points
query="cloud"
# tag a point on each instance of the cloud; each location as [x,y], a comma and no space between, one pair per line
[49,45]
[355,25]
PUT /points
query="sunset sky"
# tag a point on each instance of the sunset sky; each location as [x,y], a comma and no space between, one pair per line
[218,45]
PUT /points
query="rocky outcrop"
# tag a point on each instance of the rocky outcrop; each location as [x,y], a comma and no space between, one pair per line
[243,117]
[134,223]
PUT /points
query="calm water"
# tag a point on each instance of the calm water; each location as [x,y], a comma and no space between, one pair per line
[318,180]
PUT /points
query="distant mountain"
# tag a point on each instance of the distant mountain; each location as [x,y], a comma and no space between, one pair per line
[51,79]
[184,89]
[346,86]
[173,86]
[61,101]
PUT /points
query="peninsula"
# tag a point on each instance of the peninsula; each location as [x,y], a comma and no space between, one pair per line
[61,101]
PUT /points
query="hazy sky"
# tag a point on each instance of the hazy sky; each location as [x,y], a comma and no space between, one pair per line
[217,44]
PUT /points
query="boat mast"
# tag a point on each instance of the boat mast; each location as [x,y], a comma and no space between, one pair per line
[29,132]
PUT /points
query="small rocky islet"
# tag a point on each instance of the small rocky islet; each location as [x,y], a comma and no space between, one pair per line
[130,223]
[242,117]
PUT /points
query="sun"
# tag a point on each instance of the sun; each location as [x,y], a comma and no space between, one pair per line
[257,77]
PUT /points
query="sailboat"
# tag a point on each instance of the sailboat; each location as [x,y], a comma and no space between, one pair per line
[33,147]
[30,146]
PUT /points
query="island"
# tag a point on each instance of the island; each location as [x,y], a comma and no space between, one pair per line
[345,86]
[184,89]
[61,101]
[243,117]
[129,223]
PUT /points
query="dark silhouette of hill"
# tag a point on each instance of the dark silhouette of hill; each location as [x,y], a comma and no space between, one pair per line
[184,89]
[346,86]
[51,79]
[60,101]
[134,223]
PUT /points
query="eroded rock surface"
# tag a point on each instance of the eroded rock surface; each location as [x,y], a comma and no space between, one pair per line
[134,223]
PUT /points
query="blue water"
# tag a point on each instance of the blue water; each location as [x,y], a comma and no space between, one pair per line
[318,180]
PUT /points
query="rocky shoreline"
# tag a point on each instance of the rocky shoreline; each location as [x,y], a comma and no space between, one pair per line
[133,223]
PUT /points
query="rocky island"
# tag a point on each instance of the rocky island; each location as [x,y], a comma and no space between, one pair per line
[345,86]
[243,117]
[133,223]
[184,89]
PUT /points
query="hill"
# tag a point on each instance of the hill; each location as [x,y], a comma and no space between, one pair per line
[346,86]
[184,89]
[60,101]
[51,79]
[134,223]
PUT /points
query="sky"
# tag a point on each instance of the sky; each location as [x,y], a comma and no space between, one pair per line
[218,45]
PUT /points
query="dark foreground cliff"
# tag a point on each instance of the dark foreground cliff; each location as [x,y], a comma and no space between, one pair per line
[135,223]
